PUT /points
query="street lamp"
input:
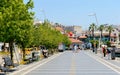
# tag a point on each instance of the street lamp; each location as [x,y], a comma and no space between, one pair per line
[94,14]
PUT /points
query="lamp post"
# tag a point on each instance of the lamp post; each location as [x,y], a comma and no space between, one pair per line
[94,14]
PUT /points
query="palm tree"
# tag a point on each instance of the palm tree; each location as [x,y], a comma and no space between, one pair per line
[101,28]
[92,29]
[110,29]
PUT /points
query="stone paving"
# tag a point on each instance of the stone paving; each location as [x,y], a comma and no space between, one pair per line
[112,63]
[115,62]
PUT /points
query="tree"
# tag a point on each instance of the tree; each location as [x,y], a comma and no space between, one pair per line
[16,22]
[66,40]
[94,45]
[48,36]
[101,28]
[110,29]
[92,28]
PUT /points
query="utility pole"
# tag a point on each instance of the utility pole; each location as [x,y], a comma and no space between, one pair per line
[94,14]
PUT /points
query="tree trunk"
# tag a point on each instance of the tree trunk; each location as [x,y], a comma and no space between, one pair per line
[109,35]
[93,34]
[101,35]
[23,53]
[3,47]
[23,48]
[11,50]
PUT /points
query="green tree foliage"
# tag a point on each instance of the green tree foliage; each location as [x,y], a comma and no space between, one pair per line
[66,41]
[110,29]
[101,28]
[16,22]
[92,28]
[45,34]
[108,43]
[96,42]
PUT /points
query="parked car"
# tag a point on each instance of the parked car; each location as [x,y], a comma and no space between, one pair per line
[61,47]
[117,52]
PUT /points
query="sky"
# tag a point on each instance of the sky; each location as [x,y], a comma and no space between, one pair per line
[76,12]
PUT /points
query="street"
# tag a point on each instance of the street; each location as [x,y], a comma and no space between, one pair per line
[70,63]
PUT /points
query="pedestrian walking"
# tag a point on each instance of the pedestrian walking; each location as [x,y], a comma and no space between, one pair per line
[83,46]
[108,53]
[75,48]
[78,48]
[104,51]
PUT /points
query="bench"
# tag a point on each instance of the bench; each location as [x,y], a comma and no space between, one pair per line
[3,69]
[35,56]
[28,58]
[8,62]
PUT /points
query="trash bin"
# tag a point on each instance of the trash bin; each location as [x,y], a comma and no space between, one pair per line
[113,53]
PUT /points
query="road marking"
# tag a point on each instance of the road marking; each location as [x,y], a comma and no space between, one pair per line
[108,64]
[72,70]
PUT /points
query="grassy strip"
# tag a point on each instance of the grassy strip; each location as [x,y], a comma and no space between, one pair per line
[4,53]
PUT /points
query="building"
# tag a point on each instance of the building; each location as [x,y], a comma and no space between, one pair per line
[77,30]
[62,31]
[114,37]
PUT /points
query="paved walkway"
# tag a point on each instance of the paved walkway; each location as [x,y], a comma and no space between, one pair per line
[115,64]
[71,63]
[24,68]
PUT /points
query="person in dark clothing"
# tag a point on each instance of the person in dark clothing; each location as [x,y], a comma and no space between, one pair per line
[104,51]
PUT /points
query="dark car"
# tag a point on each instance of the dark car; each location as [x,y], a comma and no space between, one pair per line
[117,52]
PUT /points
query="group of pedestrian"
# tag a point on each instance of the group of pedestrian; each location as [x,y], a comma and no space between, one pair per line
[76,48]
[106,51]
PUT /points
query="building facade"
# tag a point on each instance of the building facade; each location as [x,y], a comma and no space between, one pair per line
[77,30]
